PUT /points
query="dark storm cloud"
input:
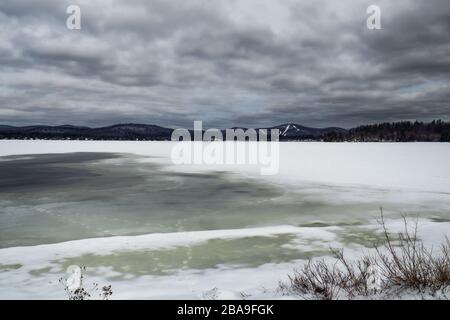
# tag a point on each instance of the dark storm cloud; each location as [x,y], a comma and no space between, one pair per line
[249,63]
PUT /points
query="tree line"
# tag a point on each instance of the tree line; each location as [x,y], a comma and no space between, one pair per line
[404,131]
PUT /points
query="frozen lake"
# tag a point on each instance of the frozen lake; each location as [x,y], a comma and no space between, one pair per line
[156,230]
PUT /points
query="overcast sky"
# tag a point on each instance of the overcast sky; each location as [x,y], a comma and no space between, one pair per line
[232,62]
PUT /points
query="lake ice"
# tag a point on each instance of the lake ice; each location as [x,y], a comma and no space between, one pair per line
[156,230]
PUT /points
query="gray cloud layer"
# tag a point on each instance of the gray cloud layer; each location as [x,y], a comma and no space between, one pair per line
[230,62]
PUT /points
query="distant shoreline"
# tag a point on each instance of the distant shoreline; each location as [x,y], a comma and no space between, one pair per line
[405,131]
[282,141]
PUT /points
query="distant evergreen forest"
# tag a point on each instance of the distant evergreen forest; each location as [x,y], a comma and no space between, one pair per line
[405,131]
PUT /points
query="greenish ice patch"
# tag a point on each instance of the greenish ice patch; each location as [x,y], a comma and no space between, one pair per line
[440,219]
[321,224]
[363,236]
[8,267]
[246,252]
[39,272]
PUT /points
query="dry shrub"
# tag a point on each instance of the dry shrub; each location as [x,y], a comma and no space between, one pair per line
[401,264]
[409,265]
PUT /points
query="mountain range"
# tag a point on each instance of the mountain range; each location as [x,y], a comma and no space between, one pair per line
[129,131]
[133,131]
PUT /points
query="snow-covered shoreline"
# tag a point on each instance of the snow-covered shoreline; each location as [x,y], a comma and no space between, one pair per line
[226,282]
